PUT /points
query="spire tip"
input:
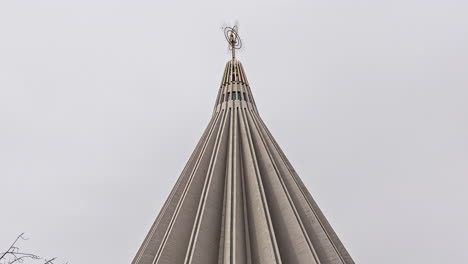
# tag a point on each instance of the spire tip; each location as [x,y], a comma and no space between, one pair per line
[232,36]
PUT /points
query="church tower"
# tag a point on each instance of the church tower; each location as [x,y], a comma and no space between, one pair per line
[238,199]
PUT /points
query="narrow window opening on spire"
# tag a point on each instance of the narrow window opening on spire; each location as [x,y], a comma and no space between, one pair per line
[245,97]
[233,95]
[227,96]
[239,95]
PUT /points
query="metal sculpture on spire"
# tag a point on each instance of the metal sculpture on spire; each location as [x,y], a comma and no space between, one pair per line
[232,36]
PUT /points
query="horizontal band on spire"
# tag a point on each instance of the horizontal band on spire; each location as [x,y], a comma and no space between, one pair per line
[235,89]
[234,73]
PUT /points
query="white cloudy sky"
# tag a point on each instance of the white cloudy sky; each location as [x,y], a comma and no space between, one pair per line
[102,102]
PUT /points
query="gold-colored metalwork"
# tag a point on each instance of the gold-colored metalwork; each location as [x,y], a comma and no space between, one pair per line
[232,37]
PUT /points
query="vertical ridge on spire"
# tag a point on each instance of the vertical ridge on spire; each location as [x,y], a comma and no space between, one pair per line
[238,199]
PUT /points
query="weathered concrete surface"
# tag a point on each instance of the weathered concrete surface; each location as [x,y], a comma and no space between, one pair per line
[239,200]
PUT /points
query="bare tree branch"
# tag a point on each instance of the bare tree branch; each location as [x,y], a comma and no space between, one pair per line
[50,261]
[14,256]
[12,248]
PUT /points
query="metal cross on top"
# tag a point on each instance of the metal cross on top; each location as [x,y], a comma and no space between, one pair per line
[232,37]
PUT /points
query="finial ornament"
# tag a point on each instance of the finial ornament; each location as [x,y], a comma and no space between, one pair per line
[232,36]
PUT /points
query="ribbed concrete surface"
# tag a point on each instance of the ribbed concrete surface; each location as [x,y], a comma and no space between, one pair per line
[238,199]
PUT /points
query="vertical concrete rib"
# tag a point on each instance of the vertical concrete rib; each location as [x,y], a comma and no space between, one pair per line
[263,241]
[294,243]
[154,237]
[177,235]
[329,247]
[243,208]
[228,195]
[207,225]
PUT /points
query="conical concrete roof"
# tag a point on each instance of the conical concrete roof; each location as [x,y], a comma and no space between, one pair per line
[238,199]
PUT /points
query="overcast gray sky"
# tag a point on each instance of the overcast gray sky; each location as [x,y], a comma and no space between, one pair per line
[102,102]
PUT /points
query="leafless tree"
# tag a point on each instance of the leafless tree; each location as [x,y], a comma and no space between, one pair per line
[15,256]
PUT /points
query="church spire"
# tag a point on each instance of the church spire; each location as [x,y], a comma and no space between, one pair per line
[238,199]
